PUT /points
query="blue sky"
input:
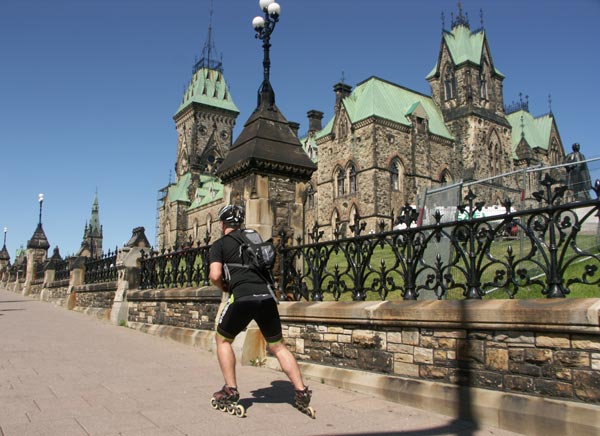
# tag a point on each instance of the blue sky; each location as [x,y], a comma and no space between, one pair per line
[88,88]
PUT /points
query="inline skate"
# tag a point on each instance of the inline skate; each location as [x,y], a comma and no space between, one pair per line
[226,400]
[302,401]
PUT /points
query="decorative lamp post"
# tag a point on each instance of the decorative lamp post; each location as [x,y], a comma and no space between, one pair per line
[264,27]
[41,200]
[5,231]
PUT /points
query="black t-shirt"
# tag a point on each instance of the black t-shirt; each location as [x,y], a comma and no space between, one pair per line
[244,281]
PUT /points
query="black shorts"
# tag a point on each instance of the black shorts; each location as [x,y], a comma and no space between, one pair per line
[237,314]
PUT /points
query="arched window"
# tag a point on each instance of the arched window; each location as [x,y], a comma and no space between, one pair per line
[449,83]
[483,85]
[445,177]
[397,175]
[335,219]
[340,180]
[554,155]
[495,154]
[352,179]
[196,230]
[208,223]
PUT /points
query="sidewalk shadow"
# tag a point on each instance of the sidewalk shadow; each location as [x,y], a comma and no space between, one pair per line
[279,392]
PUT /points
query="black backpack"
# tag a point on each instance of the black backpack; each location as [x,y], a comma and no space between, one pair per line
[255,253]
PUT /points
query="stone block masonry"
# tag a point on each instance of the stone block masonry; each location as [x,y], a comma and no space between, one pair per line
[194,308]
[532,348]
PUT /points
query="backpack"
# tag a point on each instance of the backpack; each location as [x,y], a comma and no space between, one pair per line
[256,254]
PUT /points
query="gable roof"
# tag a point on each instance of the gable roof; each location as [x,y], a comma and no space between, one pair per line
[536,131]
[464,46]
[208,87]
[379,98]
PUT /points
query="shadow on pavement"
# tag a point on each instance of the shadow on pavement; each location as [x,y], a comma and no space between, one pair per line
[279,392]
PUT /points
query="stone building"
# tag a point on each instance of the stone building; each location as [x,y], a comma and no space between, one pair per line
[384,146]
[91,245]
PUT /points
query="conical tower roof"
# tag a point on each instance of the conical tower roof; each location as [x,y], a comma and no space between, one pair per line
[4,254]
[267,145]
[38,240]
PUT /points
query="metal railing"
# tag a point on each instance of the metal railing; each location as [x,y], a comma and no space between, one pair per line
[551,260]
[181,266]
[61,270]
[102,269]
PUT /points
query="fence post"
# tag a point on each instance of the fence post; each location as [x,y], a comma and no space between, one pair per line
[128,273]
[76,278]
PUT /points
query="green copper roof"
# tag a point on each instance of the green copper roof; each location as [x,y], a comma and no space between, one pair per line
[376,97]
[179,190]
[464,46]
[535,130]
[210,190]
[208,87]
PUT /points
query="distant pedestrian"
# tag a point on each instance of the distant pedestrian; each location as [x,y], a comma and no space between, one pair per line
[250,299]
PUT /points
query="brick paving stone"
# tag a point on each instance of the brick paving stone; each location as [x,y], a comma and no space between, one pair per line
[65,373]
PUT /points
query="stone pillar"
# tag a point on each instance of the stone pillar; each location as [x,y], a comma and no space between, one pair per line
[76,278]
[128,267]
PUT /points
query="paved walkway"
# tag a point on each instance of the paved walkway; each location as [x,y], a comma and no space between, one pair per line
[64,373]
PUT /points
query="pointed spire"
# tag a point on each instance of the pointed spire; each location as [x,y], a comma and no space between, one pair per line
[550,103]
[209,57]
[460,20]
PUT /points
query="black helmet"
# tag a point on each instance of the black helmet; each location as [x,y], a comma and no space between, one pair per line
[232,214]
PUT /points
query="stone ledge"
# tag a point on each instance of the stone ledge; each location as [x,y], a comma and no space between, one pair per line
[97,287]
[204,339]
[96,312]
[563,315]
[518,413]
[205,293]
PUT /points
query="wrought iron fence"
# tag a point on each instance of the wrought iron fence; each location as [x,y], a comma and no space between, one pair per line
[550,259]
[102,269]
[38,273]
[61,270]
[184,265]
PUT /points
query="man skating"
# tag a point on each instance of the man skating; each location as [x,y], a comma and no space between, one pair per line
[250,299]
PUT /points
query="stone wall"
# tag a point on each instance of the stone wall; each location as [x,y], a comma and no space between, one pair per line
[194,308]
[98,296]
[543,348]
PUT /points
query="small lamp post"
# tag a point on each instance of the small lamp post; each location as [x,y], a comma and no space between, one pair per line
[5,231]
[264,27]
[41,200]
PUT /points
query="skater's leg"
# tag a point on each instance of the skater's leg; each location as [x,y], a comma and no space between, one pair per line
[226,357]
[288,363]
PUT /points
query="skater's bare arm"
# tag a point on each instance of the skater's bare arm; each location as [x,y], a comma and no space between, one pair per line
[216,276]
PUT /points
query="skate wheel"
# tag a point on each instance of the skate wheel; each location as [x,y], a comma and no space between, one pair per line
[213,403]
[240,411]
[231,409]
[311,412]
[222,407]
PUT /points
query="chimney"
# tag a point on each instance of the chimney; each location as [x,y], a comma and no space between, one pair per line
[341,92]
[314,120]
[295,127]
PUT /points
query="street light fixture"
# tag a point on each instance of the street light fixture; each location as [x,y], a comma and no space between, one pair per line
[41,200]
[264,27]
[5,230]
